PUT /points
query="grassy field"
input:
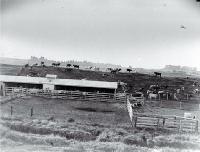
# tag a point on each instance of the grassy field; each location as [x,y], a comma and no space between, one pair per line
[9,69]
[76,126]
[134,80]
[66,125]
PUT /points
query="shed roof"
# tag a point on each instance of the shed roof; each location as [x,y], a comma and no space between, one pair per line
[51,76]
[63,82]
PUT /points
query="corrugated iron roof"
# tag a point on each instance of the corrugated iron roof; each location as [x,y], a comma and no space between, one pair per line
[64,82]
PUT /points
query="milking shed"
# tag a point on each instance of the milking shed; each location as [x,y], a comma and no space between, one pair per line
[51,82]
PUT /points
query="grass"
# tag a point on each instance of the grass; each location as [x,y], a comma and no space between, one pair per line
[93,128]
[134,80]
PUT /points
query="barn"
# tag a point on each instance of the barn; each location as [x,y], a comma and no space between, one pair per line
[51,82]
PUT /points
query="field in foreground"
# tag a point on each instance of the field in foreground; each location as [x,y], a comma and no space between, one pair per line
[65,125]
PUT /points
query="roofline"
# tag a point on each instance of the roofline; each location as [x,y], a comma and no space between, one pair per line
[64,82]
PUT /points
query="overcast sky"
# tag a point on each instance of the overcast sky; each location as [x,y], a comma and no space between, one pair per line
[140,33]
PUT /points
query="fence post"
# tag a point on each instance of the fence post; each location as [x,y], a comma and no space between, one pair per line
[31,111]
[158,123]
[180,105]
[167,96]
[163,122]
[180,126]
[11,110]
[197,125]
[160,103]
[135,123]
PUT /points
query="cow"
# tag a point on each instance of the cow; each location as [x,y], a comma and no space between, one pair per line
[69,65]
[56,64]
[196,91]
[35,64]
[157,74]
[152,96]
[26,65]
[129,70]
[105,74]
[114,71]
[96,69]
[76,66]
[109,69]
[137,104]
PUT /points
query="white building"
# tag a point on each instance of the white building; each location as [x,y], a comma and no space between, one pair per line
[52,83]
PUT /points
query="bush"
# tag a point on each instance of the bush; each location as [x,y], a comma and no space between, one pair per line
[71,120]
[135,140]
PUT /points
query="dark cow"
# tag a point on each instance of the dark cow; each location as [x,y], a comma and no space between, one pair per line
[56,64]
[69,65]
[35,64]
[129,70]
[134,105]
[76,66]
[114,71]
[109,69]
[157,74]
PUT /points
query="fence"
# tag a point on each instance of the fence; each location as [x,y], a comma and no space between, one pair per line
[63,94]
[175,96]
[172,123]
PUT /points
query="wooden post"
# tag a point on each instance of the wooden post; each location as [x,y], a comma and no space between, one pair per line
[180,126]
[167,96]
[163,122]
[180,105]
[159,96]
[11,110]
[158,123]
[196,127]
[135,125]
[160,103]
[31,111]
[115,95]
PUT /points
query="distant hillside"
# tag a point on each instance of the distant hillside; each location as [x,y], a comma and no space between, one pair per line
[13,61]
[6,69]
[134,80]
[168,70]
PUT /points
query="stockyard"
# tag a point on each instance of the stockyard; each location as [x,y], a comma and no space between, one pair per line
[50,108]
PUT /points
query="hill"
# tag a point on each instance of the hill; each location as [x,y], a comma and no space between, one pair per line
[168,70]
[134,81]
[6,69]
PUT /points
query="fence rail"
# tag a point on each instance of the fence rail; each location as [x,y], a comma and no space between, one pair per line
[64,94]
[173,123]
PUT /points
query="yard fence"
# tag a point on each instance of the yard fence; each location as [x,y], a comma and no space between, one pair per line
[64,94]
[173,123]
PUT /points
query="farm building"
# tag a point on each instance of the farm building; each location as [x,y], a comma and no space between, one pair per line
[50,82]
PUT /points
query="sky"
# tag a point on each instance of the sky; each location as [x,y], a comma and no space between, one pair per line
[146,34]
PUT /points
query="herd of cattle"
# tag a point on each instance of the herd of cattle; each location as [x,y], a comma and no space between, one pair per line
[92,68]
[154,91]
